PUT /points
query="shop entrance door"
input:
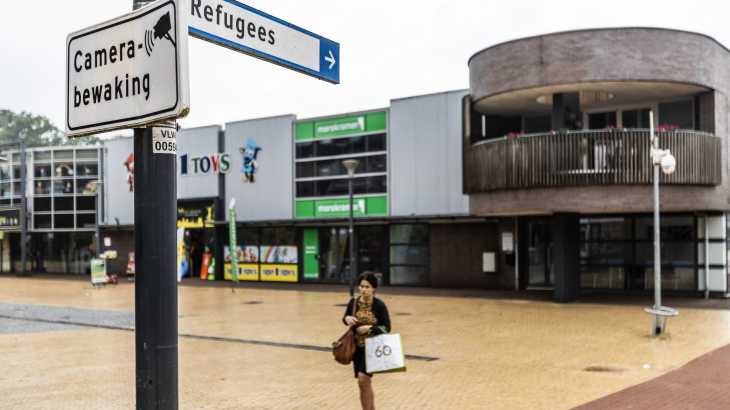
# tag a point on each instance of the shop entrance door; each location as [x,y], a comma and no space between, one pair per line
[539,269]
[335,254]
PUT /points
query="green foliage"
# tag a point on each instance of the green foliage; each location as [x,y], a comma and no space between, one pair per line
[37,131]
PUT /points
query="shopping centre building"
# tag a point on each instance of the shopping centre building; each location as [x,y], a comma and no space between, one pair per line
[536,177]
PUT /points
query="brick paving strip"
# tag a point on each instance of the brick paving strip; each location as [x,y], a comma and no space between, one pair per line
[700,384]
[122,318]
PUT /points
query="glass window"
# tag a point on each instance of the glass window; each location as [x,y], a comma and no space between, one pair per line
[376,142]
[605,229]
[358,144]
[42,221]
[409,275]
[672,253]
[333,187]
[542,123]
[247,236]
[409,234]
[85,221]
[63,186]
[42,156]
[605,253]
[63,169]
[409,255]
[376,163]
[305,149]
[42,204]
[87,153]
[601,120]
[42,188]
[5,189]
[604,277]
[376,185]
[63,155]
[16,171]
[63,204]
[85,186]
[87,169]
[676,113]
[305,169]
[64,221]
[305,189]
[635,118]
[672,228]
[15,158]
[370,247]
[4,171]
[42,170]
[85,203]
[17,191]
[672,279]
[328,168]
[279,236]
[329,147]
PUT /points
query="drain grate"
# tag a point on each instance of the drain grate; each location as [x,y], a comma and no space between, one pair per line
[605,369]
[252,303]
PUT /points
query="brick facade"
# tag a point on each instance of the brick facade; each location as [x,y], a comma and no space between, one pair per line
[587,56]
[591,56]
[456,255]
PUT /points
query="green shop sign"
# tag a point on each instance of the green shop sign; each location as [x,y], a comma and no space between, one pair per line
[342,126]
[328,208]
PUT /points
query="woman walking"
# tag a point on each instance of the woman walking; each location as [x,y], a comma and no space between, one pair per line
[371,319]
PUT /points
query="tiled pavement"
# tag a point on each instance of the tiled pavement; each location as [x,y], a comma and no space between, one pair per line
[494,353]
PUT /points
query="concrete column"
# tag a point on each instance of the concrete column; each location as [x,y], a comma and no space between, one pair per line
[566,253]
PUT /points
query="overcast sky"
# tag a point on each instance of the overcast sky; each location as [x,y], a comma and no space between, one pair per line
[389,49]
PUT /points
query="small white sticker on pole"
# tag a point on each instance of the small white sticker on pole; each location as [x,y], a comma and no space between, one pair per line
[164,140]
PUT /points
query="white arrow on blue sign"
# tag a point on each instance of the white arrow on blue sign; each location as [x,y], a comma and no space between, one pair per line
[242,28]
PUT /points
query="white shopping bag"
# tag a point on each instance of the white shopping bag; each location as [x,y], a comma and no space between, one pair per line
[384,354]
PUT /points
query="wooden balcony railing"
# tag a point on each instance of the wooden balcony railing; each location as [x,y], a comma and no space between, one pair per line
[589,158]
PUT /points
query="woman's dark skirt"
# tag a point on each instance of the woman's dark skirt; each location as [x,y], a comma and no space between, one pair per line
[358,361]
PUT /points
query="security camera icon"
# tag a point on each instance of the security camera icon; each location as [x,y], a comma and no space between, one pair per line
[160,30]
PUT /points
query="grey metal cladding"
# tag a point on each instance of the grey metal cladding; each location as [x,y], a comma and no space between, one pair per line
[119,200]
[198,142]
[271,196]
[425,155]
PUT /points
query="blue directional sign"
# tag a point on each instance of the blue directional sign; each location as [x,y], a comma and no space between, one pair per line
[242,28]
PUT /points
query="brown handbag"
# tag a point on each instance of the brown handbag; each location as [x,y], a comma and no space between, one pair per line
[344,348]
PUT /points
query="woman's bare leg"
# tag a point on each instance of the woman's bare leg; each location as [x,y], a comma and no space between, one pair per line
[367,397]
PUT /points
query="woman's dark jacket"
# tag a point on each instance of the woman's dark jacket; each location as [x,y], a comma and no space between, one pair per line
[380,311]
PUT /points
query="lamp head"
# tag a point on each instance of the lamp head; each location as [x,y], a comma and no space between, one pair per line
[669,163]
[351,165]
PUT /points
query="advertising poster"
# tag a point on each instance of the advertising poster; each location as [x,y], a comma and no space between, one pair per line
[245,272]
[248,259]
[279,273]
[279,254]
[98,271]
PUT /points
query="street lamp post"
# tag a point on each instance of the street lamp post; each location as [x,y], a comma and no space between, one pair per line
[665,160]
[351,164]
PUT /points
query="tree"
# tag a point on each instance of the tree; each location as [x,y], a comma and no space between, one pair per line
[37,131]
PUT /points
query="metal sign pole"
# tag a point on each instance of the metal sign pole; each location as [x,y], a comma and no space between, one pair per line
[155,289]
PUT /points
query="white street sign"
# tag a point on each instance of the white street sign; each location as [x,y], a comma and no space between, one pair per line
[128,72]
[242,28]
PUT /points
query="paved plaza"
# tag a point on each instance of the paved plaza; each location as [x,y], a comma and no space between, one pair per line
[66,347]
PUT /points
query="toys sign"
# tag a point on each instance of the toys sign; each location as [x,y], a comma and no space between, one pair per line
[130,71]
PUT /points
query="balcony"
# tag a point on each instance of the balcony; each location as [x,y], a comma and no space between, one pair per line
[619,157]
